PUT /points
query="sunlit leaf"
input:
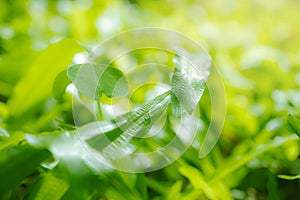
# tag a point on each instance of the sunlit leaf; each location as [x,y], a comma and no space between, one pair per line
[36,84]
[174,192]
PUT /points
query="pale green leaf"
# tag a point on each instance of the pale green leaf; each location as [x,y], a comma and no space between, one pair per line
[188,82]
[174,192]
[36,84]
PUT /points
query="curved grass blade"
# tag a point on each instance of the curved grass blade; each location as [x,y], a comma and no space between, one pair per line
[288,177]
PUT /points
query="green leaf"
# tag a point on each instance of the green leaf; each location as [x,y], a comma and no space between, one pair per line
[36,84]
[60,84]
[51,187]
[295,122]
[188,83]
[141,186]
[272,187]
[93,79]
[113,82]
[197,180]
[174,192]
[85,77]
[18,162]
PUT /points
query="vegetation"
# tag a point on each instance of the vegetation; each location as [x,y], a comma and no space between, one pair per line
[45,46]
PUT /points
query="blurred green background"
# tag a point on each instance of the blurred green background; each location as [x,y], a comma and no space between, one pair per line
[255,46]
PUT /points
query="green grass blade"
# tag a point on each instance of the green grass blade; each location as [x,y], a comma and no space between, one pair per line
[50,188]
[197,180]
[288,177]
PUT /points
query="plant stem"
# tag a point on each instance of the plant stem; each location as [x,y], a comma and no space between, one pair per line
[100,115]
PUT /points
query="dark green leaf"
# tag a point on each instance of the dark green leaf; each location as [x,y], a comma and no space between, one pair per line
[17,162]
[113,82]
[60,84]
[272,187]
[92,80]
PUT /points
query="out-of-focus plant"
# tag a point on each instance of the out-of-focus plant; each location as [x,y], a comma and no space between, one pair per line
[255,45]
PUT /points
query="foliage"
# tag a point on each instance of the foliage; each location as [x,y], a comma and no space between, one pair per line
[254,44]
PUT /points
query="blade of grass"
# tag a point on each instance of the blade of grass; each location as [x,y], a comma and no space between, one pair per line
[288,177]
[197,180]
[51,188]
